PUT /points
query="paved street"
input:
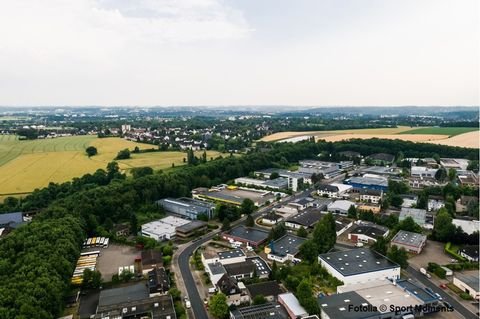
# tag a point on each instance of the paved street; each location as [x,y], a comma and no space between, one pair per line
[446,297]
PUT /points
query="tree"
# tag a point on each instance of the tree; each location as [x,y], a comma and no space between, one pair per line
[92,279]
[302,232]
[204,157]
[325,234]
[123,154]
[473,166]
[249,222]
[397,187]
[309,251]
[125,275]
[274,271]
[306,298]
[408,224]
[472,208]
[380,246]
[443,227]
[166,260]
[247,206]
[91,151]
[399,256]
[452,174]
[396,200]
[277,231]
[259,300]
[274,175]
[218,306]
[352,212]
[226,224]
[441,174]
[134,224]
[138,172]
[175,293]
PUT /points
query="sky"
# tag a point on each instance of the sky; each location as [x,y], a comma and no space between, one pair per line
[239,52]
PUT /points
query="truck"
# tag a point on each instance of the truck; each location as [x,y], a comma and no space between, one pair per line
[424,272]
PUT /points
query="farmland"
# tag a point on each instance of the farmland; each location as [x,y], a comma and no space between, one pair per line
[26,165]
[453,136]
[450,131]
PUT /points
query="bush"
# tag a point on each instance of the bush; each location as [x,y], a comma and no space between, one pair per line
[465,296]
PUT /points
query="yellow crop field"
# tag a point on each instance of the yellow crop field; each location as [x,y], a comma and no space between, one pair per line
[26,165]
[379,131]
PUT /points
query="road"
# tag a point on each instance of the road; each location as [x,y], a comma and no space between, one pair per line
[196,301]
[446,297]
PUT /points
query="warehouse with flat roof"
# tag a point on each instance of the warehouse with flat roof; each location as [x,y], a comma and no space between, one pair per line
[410,241]
[359,265]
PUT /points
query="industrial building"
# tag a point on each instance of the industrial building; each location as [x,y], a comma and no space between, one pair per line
[421,171]
[163,229]
[276,183]
[191,229]
[340,207]
[234,195]
[359,266]
[187,207]
[368,181]
[134,302]
[411,242]
[468,282]
[247,235]
[268,310]
[378,299]
[295,179]
[285,248]
[435,203]
[381,159]
[419,216]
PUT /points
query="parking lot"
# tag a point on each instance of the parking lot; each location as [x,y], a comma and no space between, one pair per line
[113,257]
[432,252]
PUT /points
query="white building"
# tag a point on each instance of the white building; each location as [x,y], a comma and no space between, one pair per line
[163,229]
[359,266]
[340,207]
[370,195]
[334,190]
[435,203]
[468,282]
[292,305]
[468,226]
[421,171]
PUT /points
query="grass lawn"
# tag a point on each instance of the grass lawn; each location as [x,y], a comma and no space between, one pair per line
[450,131]
[26,165]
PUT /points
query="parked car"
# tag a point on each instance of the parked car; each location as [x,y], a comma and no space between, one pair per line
[438,296]
[443,286]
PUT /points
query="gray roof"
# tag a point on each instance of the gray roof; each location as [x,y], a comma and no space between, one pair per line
[216,268]
[120,295]
[158,307]
[267,288]
[417,291]
[307,217]
[193,225]
[188,203]
[231,254]
[415,213]
[327,188]
[288,244]
[11,219]
[337,305]
[265,311]
[382,157]
[357,261]
[261,266]
[409,238]
[373,231]
[471,251]
[249,233]
[277,182]
[470,279]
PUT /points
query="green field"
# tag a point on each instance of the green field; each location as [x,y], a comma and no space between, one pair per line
[26,165]
[450,131]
